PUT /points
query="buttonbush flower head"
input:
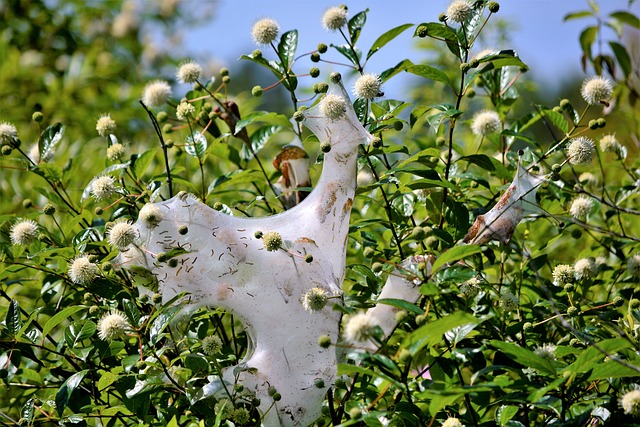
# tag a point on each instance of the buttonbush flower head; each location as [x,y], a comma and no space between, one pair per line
[585,268]
[82,271]
[105,125]
[156,94]
[580,207]
[151,215]
[633,265]
[115,152]
[333,106]
[509,302]
[452,422]
[272,241]
[459,11]
[24,232]
[563,274]
[265,31]
[471,287]
[315,299]
[113,326]
[8,133]
[610,144]
[211,345]
[367,86]
[103,187]
[486,122]
[546,351]
[581,151]
[335,18]
[122,234]
[359,328]
[630,401]
[596,89]
[189,72]
[184,110]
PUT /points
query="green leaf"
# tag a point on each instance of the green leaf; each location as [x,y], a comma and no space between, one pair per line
[437,31]
[264,117]
[587,37]
[557,119]
[481,160]
[141,163]
[405,305]
[386,38]
[613,369]
[13,320]
[505,413]
[258,140]
[59,317]
[196,145]
[106,379]
[503,58]
[577,15]
[623,57]
[592,356]
[49,138]
[78,331]
[352,55]
[454,254]
[161,322]
[196,363]
[432,333]
[272,66]
[355,25]
[132,311]
[346,369]
[28,410]
[524,357]
[287,48]
[627,18]
[64,393]
[429,72]
[399,67]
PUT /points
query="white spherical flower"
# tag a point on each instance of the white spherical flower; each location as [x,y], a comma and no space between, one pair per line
[580,207]
[581,151]
[24,232]
[546,351]
[359,328]
[115,152]
[105,125]
[452,422]
[151,215]
[122,234]
[630,402]
[8,133]
[211,345]
[633,266]
[471,287]
[82,271]
[335,18]
[459,11]
[596,89]
[189,72]
[367,86]
[333,106]
[486,122]
[185,110]
[265,31]
[103,187]
[609,144]
[156,94]
[113,326]
[563,274]
[585,268]
[315,299]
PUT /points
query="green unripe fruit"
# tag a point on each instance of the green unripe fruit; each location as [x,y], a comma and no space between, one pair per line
[226,80]
[339,383]
[322,48]
[37,117]
[276,397]
[368,252]
[315,57]
[255,401]
[324,341]
[377,267]
[493,6]
[224,72]
[314,72]
[298,116]
[271,391]
[601,122]
[256,91]
[432,242]
[49,209]
[325,147]
[418,233]
[218,206]
[320,88]
[207,107]
[593,124]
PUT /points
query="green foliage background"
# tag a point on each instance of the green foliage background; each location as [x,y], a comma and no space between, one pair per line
[511,349]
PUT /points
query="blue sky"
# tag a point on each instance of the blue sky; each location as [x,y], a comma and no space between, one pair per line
[547,44]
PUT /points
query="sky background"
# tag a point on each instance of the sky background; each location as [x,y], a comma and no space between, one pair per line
[539,35]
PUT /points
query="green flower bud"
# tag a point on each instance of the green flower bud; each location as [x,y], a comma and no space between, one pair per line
[593,124]
[27,203]
[398,125]
[157,297]
[376,142]
[421,319]
[173,263]
[256,54]
[162,257]
[335,77]
[226,80]
[565,103]
[315,57]
[224,72]
[169,143]
[325,147]
[418,233]
[167,128]
[314,72]
[557,109]
[576,233]
[49,209]
[162,117]
[319,383]
[440,140]
[493,6]
[298,116]
[432,242]
[601,122]
[256,91]
[474,63]
[464,67]
[619,301]
[183,229]
[218,206]
[527,326]
[37,117]
[471,93]
[633,303]
[404,356]
[377,267]
[308,258]
[94,310]
[6,150]
[422,31]
[573,311]
[368,252]
[442,17]
[569,287]
[258,234]
[322,48]
[324,341]
[106,267]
